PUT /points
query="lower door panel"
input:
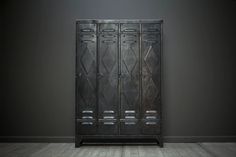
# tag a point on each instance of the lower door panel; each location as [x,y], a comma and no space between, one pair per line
[86,127]
[108,128]
[150,127]
[130,127]
[151,120]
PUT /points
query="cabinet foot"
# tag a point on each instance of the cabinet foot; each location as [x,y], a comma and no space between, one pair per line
[161,144]
[78,141]
[160,141]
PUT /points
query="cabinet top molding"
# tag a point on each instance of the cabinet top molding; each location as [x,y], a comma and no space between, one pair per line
[119,21]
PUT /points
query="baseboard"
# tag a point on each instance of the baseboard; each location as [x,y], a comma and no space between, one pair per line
[69,139]
[43,139]
[194,139]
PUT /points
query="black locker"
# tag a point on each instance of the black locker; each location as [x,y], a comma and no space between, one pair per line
[118,80]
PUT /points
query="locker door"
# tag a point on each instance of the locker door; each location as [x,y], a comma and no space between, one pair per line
[86,79]
[130,82]
[108,79]
[150,80]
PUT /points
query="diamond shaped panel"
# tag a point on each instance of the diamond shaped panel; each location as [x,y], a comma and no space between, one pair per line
[130,60]
[108,59]
[87,60]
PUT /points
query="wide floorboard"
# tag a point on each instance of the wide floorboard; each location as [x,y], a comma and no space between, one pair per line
[68,150]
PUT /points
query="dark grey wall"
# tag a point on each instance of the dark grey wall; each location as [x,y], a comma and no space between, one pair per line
[39,63]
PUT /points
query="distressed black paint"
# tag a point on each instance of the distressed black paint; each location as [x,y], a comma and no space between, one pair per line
[118,92]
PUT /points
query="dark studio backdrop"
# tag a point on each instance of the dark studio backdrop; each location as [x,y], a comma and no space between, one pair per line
[38,65]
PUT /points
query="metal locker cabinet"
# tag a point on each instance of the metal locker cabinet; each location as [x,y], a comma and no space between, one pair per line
[118,80]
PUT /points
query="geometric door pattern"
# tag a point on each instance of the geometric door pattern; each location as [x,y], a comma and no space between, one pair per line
[151,70]
[130,83]
[108,84]
[118,85]
[150,83]
[86,70]
[130,72]
[118,79]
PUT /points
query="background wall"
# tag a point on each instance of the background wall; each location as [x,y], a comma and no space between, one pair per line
[38,65]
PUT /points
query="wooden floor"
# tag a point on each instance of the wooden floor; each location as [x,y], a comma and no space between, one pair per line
[68,150]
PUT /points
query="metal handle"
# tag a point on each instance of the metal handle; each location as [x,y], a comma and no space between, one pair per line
[87,111]
[151,111]
[129,117]
[108,111]
[129,111]
[86,30]
[108,117]
[130,30]
[87,117]
[151,117]
[107,120]
[108,123]
[87,123]
[108,30]
[86,41]
[151,123]
[130,123]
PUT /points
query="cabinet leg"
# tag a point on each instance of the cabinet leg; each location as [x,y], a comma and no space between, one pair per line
[161,144]
[78,141]
[160,141]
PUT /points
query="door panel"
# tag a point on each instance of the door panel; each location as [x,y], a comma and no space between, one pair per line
[86,83]
[108,84]
[86,127]
[150,83]
[129,84]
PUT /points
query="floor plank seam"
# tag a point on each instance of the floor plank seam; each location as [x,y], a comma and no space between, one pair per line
[208,151]
[122,151]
